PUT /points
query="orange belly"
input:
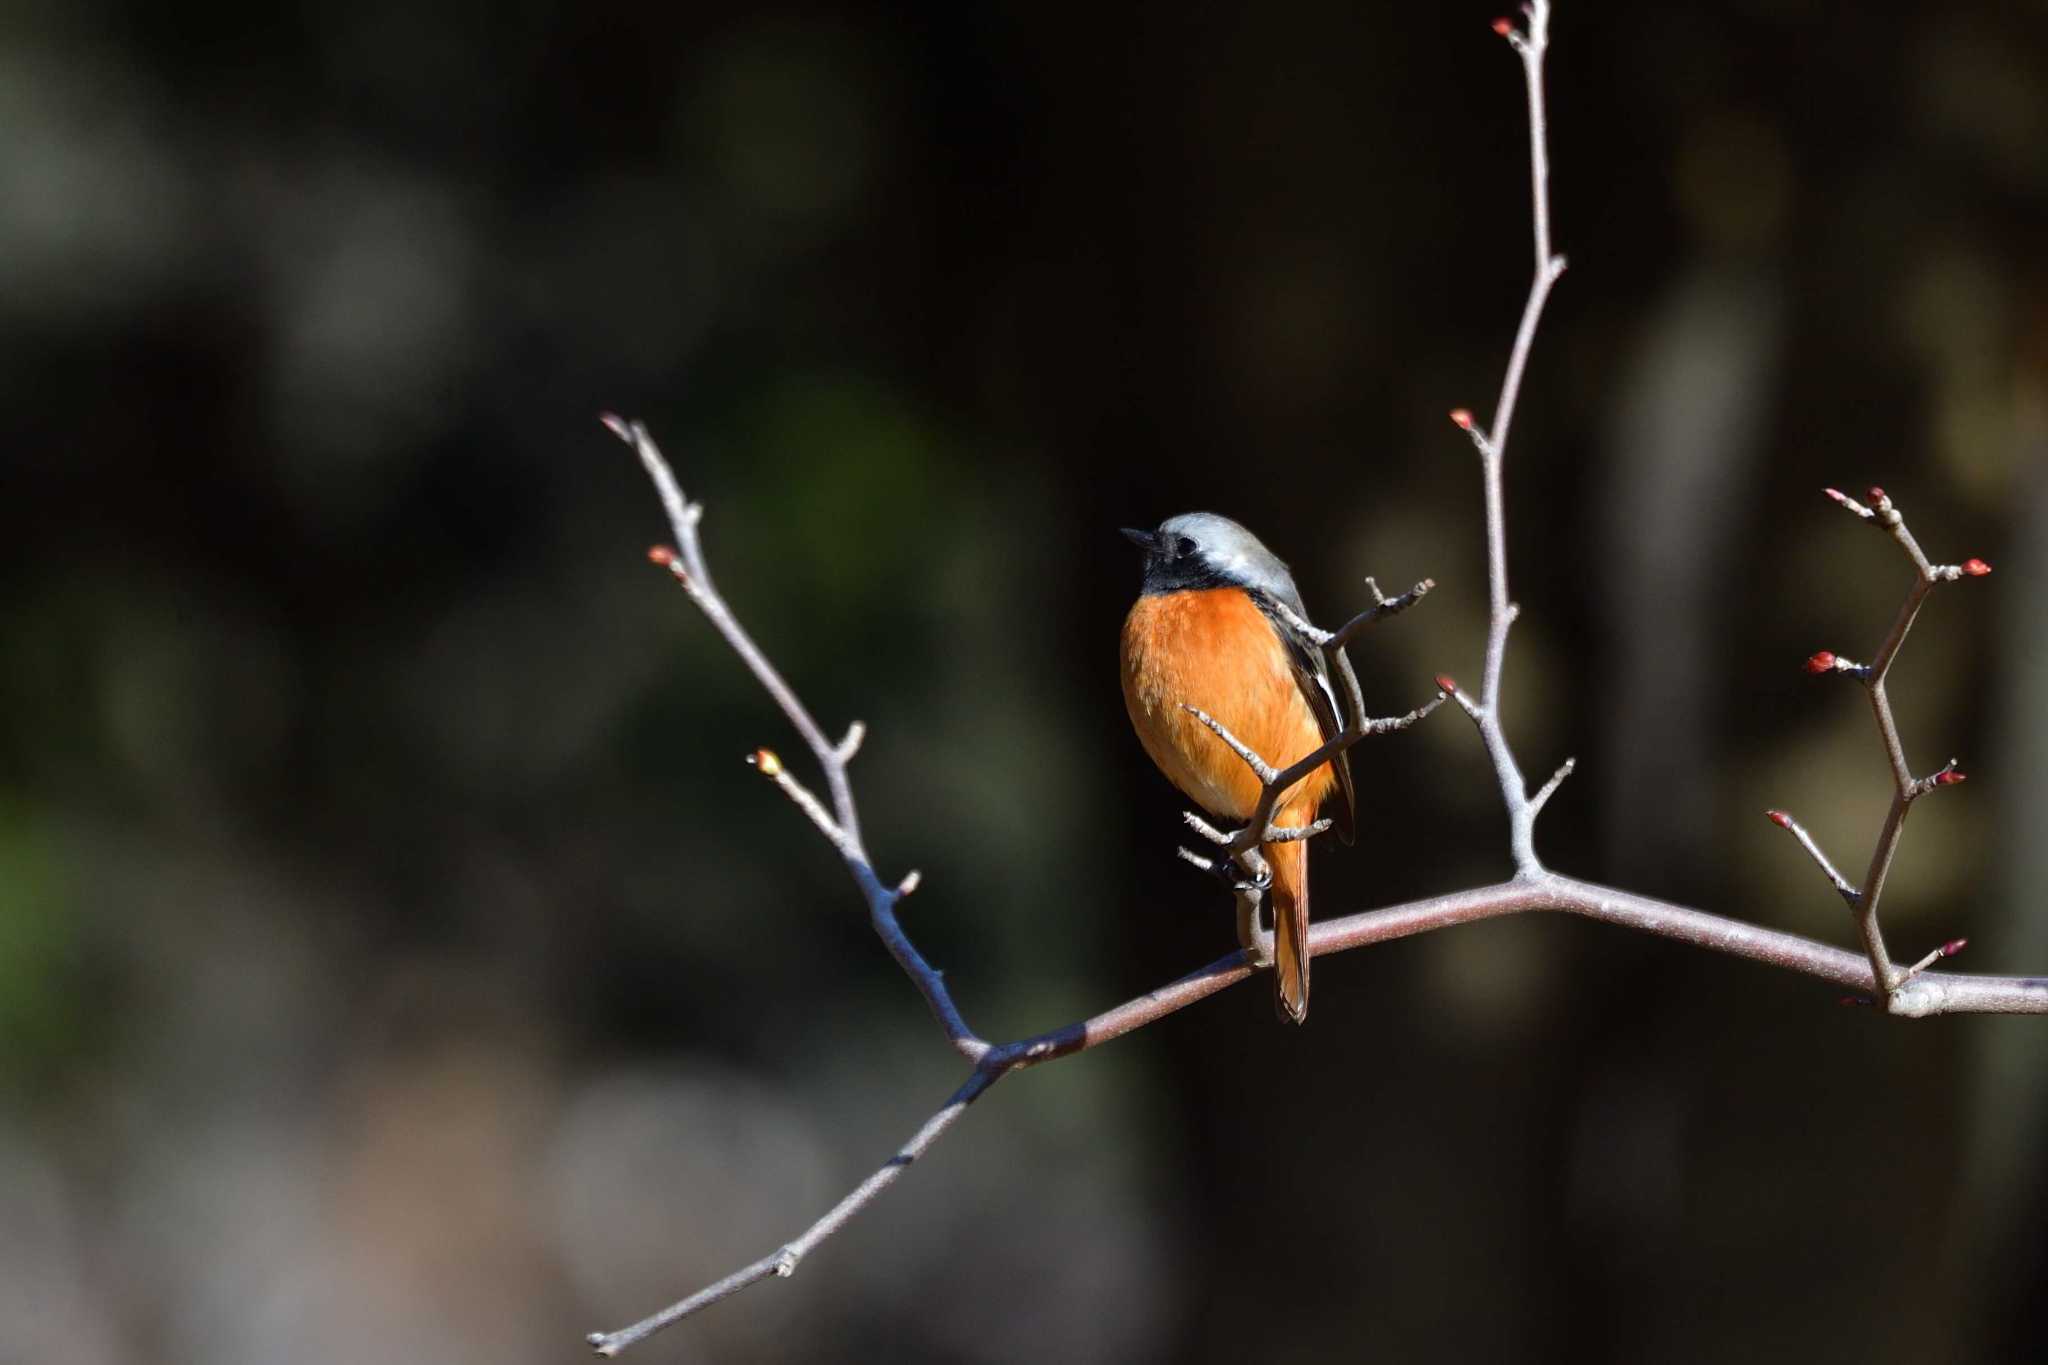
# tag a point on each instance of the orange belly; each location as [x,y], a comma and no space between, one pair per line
[1213,648]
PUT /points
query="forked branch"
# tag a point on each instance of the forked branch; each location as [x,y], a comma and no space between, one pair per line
[1906,789]
[1914,992]
[1531,46]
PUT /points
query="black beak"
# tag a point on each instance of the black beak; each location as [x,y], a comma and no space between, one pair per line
[1148,541]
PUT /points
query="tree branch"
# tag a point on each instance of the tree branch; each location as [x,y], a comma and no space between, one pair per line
[1906,789]
[841,824]
[1485,711]
[1914,993]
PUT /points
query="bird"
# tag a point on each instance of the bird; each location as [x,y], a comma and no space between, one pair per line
[1206,632]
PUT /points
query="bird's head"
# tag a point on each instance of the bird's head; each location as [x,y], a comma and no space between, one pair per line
[1204,550]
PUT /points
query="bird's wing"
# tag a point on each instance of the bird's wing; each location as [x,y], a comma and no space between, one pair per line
[1312,676]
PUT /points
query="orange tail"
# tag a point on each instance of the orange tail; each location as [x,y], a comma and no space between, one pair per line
[1290,926]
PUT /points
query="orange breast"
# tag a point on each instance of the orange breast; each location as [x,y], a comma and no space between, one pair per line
[1213,648]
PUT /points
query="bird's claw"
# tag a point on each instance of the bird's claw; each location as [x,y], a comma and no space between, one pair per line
[1257,877]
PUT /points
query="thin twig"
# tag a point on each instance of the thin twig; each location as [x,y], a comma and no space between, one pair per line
[784,1260]
[1948,949]
[1549,789]
[1835,879]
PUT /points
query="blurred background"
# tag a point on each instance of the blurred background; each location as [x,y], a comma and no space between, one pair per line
[398,962]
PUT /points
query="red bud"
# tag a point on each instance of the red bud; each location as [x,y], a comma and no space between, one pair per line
[1462,417]
[1976,568]
[1503,28]
[1780,819]
[1876,494]
[1948,777]
[1446,683]
[1821,662]
[767,760]
[616,425]
[1954,946]
[661,554]
[1837,494]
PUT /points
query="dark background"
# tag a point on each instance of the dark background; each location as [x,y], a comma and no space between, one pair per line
[397,961]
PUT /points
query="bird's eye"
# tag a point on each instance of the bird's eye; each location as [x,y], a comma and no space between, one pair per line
[1183,546]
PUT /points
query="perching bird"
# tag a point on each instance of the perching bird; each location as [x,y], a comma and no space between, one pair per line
[1204,633]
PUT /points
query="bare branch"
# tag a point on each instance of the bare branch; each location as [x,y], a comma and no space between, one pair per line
[1382,607]
[1530,46]
[1923,995]
[1275,784]
[1883,513]
[1380,610]
[842,825]
[1915,993]
[784,1260]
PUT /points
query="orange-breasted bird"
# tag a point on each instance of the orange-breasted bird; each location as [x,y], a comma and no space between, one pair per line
[1204,633]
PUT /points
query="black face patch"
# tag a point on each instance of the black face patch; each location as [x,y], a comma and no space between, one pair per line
[1180,573]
